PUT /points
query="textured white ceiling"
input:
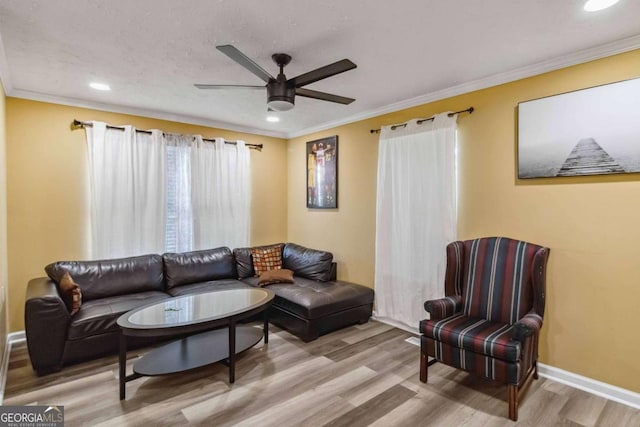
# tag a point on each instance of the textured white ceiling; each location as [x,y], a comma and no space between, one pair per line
[151,52]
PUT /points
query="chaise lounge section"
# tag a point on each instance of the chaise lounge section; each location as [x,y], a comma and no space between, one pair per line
[317,302]
[314,304]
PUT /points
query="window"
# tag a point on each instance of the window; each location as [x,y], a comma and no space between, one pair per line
[153,192]
[179,213]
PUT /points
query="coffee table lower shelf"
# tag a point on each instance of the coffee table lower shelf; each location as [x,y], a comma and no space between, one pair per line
[195,351]
[191,352]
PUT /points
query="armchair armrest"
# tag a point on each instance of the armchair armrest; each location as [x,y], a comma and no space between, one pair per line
[443,307]
[529,325]
[46,320]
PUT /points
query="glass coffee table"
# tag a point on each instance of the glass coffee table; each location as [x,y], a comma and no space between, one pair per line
[192,315]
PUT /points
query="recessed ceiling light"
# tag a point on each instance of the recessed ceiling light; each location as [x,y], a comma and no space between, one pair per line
[99,86]
[273,119]
[595,5]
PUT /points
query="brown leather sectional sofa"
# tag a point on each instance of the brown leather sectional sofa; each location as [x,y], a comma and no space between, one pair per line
[315,304]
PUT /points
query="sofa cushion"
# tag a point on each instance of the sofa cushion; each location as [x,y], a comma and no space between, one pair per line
[99,316]
[71,293]
[198,266]
[111,277]
[311,299]
[202,287]
[244,262]
[310,263]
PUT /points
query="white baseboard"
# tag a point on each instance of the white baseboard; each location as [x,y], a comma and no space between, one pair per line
[12,338]
[608,391]
[16,337]
[598,388]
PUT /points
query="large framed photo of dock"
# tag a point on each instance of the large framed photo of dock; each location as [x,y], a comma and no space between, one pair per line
[592,131]
[322,173]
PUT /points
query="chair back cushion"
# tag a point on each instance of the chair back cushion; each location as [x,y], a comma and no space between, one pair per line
[498,278]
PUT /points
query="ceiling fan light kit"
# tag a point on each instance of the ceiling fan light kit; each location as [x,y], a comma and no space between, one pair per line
[280,91]
[280,94]
[280,104]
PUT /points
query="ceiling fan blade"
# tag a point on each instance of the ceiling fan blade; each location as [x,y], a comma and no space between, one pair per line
[323,96]
[322,73]
[200,86]
[245,61]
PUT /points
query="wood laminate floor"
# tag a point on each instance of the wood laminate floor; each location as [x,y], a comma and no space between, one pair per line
[364,375]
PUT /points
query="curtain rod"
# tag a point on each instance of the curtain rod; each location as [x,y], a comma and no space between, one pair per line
[77,124]
[420,121]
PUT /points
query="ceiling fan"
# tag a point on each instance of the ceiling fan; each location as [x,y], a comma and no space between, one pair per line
[280,91]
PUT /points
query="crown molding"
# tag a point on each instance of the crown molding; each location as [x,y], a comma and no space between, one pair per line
[154,114]
[580,57]
[586,55]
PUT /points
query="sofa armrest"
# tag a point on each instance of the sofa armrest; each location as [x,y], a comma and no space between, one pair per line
[529,325]
[443,307]
[46,320]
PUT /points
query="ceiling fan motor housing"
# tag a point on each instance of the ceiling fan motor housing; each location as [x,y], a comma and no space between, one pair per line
[280,95]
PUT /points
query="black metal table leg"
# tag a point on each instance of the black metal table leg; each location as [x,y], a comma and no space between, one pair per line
[232,350]
[122,364]
[265,328]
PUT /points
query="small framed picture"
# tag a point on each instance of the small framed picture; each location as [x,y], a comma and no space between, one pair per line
[322,173]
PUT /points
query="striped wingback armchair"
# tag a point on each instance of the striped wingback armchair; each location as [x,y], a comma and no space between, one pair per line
[489,321]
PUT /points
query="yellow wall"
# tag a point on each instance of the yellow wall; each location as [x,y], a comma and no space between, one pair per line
[47,187]
[590,223]
[3,224]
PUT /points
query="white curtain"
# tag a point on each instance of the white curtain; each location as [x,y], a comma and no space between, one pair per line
[415,217]
[155,193]
[221,194]
[127,185]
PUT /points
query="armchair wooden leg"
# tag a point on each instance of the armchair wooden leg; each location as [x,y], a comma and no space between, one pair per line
[513,401]
[424,366]
[535,370]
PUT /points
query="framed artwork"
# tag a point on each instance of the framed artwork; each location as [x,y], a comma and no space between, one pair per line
[592,131]
[322,173]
